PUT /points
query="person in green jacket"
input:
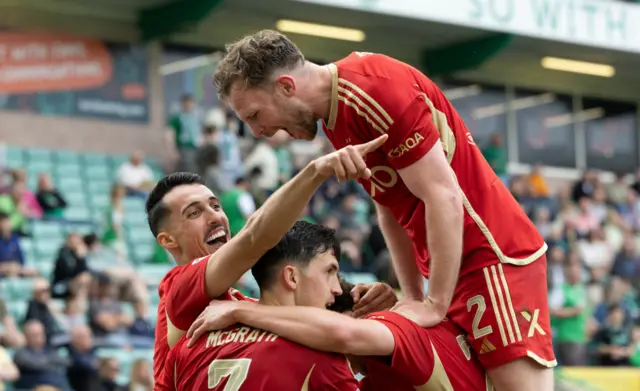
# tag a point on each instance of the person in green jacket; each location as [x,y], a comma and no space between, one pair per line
[187,130]
[496,156]
[112,233]
[238,204]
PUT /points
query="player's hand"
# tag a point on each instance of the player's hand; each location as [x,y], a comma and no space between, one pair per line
[370,298]
[423,313]
[218,315]
[348,162]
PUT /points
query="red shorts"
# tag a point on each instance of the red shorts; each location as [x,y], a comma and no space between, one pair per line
[503,309]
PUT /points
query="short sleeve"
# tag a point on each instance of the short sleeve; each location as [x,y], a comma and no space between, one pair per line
[187,296]
[333,373]
[413,354]
[412,134]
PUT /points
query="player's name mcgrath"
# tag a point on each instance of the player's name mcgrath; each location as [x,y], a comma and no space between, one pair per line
[242,334]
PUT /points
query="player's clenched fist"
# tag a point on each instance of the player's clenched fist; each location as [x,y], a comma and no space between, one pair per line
[348,162]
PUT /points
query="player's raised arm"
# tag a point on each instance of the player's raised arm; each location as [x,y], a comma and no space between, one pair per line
[313,327]
[278,214]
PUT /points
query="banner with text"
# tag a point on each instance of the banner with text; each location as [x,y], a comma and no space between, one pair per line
[598,23]
[68,76]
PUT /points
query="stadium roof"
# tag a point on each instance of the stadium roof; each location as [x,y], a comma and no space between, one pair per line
[211,23]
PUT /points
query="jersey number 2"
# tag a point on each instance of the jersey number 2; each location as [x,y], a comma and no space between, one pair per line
[482,306]
[236,370]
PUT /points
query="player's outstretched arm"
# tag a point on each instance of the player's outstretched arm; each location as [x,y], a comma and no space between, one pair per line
[432,180]
[402,255]
[312,327]
[278,214]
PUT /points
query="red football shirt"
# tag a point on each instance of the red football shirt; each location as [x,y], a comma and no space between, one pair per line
[242,358]
[436,358]
[374,94]
[182,290]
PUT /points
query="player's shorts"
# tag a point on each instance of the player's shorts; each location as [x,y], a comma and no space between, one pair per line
[503,309]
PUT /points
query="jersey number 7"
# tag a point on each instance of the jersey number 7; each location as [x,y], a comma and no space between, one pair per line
[236,370]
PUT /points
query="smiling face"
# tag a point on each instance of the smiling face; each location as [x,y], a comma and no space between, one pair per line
[269,109]
[196,225]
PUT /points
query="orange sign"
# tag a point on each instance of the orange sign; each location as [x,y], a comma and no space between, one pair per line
[45,62]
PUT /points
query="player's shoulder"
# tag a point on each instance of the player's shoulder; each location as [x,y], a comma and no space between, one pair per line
[165,283]
[379,88]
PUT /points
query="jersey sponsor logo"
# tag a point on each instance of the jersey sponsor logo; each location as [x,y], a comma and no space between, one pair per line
[487,346]
[382,178]
[408,144]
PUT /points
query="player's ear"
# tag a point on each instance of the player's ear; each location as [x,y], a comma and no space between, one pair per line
[286,85]
[290,277]
[167,241]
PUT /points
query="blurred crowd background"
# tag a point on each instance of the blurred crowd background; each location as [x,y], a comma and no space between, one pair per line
[79,268]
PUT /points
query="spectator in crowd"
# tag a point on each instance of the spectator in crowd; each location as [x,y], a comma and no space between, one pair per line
[71,276]
[10,335]
[113,231]
[136,176]
[141,377]
[109,322]
[130,286]
[8,370]
[537,183]
[11,257]
[570,320]
[187,127]
[72,316]
[630,209]
[585,186]
[496,156]
[16,204]
[231,161]
[82,372]
[109,371]
[208,161]
[584,220]
[596,254]
[617,191]
[28,197]
[627,262]
[38,364]
[613,340]
[264,161]
[49,198]
[42,309]
[238,205]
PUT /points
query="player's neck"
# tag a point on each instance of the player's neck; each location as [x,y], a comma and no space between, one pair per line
[319,91]
[273,298]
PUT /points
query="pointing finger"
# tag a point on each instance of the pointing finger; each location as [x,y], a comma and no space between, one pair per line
[372,145]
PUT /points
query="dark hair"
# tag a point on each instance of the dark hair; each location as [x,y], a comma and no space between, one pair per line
[186,98]
[4,216]
[156,210]
[301,244]
[90,239]
[344,302]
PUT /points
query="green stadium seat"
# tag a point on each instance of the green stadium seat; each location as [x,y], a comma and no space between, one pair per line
[153,274]
[40,166]
[94,159]
[78,214]
[75,198]
[141,253]
[64,170]
[137,218]
[17,288]
[17,309]
[46,229]
[81,229]
[38,155]
[44,269]
[116,160]
[26,244]
[98,172]
[133,204]
[99,187]
[138,234]
[99,201]
[47,247]
[14,153]
[67,157]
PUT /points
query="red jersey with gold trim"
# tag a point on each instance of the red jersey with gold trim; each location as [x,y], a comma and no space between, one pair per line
[436,358]
[242,358]
[187,297]
[374,94]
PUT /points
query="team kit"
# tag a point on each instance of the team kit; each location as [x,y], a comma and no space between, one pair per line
[444,215]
